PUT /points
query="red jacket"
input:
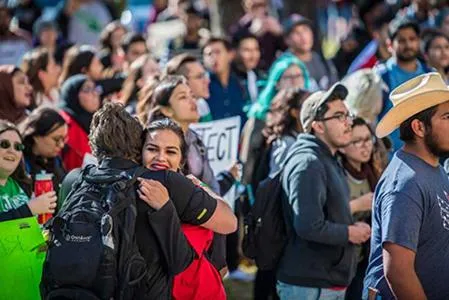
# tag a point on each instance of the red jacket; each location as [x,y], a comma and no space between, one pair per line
[200,281]
[77,144]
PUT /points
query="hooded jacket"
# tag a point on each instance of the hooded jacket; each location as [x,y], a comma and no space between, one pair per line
[318,253]
[78,121]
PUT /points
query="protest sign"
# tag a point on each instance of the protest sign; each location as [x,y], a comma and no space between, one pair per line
[221,139]
[22,254]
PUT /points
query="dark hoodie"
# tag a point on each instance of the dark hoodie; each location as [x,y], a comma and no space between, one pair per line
[318,253]
[71,102]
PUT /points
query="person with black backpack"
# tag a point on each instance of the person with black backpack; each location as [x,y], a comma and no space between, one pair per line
[106,243]
[319,259]
[282,128]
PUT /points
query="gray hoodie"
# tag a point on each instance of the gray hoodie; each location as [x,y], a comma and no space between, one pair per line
[318,253]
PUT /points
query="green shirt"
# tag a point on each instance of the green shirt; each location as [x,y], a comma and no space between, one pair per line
[12,196]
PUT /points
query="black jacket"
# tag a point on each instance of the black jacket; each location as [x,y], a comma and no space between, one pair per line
[158,233]
[36,164]
[18,213]
[318,253]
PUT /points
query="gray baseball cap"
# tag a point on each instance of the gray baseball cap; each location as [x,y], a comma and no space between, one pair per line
[311,105]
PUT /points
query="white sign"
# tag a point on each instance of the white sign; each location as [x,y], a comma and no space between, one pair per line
[221,139]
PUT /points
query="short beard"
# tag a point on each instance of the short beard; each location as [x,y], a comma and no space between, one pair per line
[403,58]
[431,143]
[334,143]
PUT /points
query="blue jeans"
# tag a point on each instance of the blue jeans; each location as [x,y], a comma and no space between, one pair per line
[294,292]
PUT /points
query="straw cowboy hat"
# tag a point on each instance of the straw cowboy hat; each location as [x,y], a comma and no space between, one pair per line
[412,97]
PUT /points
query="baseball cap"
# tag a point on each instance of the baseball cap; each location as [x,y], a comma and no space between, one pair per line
[312,104]
[295,20]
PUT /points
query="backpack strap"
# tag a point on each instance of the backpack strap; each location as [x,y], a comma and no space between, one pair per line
[27,166]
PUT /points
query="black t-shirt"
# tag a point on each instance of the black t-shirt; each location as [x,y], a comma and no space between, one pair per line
[193,205]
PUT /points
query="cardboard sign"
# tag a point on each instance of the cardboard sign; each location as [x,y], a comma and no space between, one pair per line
[221,139]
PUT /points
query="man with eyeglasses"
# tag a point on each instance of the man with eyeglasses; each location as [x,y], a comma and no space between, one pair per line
[319,260]
[191,68]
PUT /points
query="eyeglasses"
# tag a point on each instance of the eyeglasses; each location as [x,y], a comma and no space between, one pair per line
[200,76]
[292,76]
[91,89]
[366,141]
[6,144]
[339,117]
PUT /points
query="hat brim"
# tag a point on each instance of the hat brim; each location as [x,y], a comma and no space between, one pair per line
[289,28]
[408,108]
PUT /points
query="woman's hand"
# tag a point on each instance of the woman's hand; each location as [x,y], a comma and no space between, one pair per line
[235,171]
[203,186]
[195,180]
[44,204]
[363,203]
[153,193]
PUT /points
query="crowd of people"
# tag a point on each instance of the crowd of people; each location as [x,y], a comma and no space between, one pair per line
[359,139]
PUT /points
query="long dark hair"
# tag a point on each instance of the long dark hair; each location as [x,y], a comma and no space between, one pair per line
[76,61]
[162,94]
[33,62]
[280,121]
[168,124]
[41,122]
[19,174]
[374,167]
[145,97]
[130,88]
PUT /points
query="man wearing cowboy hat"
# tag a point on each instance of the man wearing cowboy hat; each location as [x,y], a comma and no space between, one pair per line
[409,256]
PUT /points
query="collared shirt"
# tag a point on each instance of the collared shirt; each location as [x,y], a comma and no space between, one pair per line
[225,102]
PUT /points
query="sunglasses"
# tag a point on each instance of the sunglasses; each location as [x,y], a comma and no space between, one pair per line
[6,144]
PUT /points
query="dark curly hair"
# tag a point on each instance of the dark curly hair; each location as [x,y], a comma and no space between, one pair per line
[115,133]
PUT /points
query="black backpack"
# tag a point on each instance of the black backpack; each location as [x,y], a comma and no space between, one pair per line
[92,251]
[265,230]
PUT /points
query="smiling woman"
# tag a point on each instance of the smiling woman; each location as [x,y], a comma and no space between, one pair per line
[15,94]
[166,149]
[15,186]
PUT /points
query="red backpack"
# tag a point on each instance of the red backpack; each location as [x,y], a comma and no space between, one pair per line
[200,280]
